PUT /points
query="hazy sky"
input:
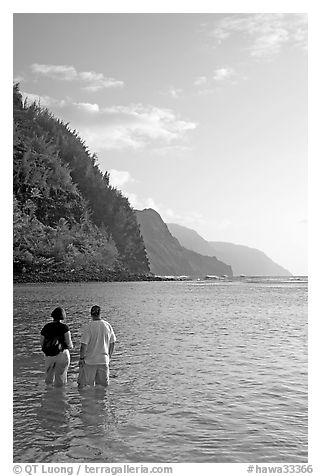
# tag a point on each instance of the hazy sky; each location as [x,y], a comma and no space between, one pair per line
[202,117]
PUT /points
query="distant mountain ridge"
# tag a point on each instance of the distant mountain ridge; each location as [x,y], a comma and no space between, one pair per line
[167,256]
[242,259]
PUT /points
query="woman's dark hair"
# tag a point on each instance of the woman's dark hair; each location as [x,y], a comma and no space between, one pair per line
[95,311]
[58,314]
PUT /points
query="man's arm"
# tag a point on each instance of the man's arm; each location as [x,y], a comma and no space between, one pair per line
[111,342]
[111,348]
[83,348]
[42,339]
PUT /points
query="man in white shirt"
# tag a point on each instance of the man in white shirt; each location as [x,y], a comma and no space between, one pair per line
[97,345]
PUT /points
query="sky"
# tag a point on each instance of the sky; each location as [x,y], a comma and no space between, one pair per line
[202,117]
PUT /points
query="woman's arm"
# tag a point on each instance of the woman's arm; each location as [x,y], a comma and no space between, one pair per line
[68,340]
[42,339]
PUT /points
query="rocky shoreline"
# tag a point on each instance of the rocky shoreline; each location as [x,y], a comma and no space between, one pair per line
[56,277]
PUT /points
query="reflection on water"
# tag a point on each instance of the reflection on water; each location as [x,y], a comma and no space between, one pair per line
[202,372]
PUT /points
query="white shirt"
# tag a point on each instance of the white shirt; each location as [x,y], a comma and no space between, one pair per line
[97,335]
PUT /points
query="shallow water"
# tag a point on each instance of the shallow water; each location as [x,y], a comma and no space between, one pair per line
[202,372]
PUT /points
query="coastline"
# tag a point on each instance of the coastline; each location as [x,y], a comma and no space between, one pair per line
[125,276]
[56,277]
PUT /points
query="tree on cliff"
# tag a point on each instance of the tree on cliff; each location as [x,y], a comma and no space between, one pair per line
[58,182]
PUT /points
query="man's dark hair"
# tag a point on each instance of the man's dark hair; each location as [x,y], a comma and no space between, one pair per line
[95,311]
[58,314]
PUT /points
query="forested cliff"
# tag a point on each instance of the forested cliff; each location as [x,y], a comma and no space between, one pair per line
[69,222]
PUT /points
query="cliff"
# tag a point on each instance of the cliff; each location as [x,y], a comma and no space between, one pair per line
[167,256]
[69,223]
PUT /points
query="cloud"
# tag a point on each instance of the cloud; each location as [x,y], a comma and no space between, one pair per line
[266,33]
[45,101]
[118,178]
[141,203]
[91,80]
[222,74]
[62,72]
[86,106]
[134,126]
[175,93]
[98,81]
[208,85]
[200,81]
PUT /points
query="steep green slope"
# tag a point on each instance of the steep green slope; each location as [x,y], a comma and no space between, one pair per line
[68,221]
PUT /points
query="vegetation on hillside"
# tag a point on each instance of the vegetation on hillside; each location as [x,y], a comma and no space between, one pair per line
[69,222]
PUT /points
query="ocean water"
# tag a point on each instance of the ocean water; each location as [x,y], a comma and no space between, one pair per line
[204,372]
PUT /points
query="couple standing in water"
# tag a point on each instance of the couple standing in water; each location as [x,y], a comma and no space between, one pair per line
[96,347]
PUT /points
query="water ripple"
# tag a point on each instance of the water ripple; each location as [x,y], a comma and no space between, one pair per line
[201,373]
